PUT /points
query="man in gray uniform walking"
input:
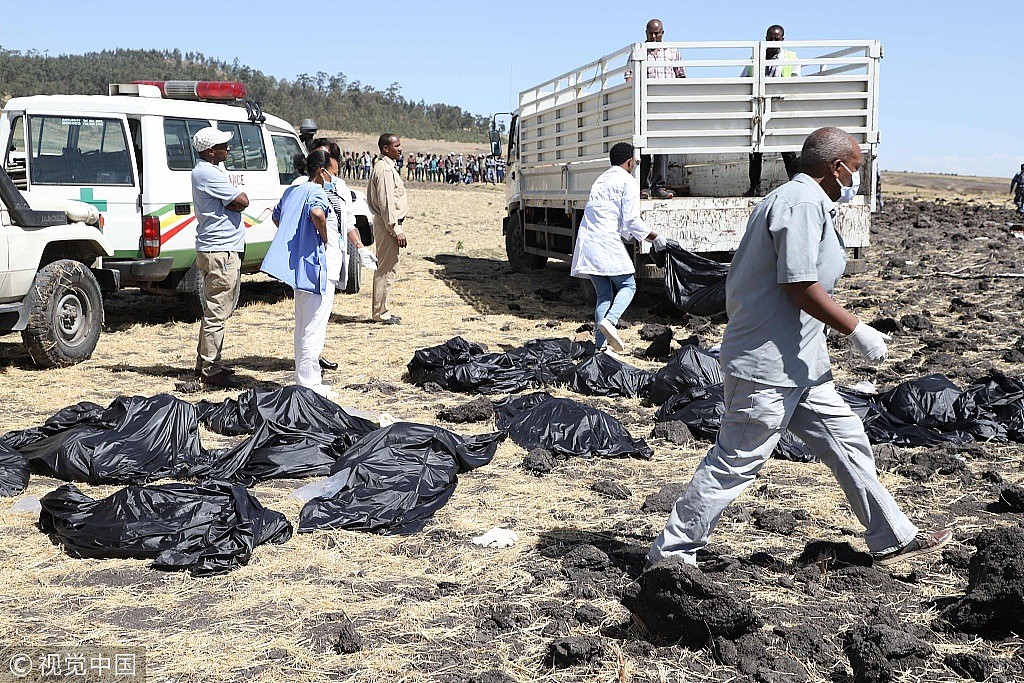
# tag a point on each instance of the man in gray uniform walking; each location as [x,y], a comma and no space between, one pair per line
[777,369]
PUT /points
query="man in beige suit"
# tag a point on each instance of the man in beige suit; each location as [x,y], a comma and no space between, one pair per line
[389,204]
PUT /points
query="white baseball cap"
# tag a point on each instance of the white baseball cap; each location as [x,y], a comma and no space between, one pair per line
[210,136]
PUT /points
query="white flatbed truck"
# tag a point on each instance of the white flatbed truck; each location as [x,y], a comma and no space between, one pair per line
[707,123]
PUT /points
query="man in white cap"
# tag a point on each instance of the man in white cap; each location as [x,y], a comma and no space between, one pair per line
[220,242]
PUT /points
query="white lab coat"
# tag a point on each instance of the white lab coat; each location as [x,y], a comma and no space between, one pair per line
[612,213]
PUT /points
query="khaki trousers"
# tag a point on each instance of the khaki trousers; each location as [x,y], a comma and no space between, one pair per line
[221,280]
[387,269]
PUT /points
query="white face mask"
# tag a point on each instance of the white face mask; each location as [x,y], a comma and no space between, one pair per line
[846,194]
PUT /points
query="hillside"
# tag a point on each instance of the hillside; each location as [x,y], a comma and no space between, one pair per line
[334,102]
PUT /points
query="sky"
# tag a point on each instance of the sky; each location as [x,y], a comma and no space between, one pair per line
[952,86]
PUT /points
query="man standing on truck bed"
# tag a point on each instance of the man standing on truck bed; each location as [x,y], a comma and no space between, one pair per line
[774,34]
[776,364]
[220,242]
[389,204]
[654,167]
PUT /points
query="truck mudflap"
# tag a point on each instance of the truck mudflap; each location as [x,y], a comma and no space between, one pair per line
[141,270]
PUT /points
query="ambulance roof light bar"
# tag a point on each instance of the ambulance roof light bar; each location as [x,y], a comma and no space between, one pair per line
[199,90]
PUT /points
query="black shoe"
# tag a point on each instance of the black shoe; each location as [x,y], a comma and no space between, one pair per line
[753,191]
[222,380]
[327,365]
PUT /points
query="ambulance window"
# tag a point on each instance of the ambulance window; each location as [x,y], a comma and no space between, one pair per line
[178,141]
[246,151]
[78,151]
[285,149]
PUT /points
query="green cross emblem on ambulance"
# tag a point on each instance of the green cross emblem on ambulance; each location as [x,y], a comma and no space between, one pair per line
[85,195]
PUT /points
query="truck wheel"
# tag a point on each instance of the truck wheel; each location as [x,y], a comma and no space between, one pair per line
[587,292]
[354,269]
[65,315]
[515,242]
[195,293]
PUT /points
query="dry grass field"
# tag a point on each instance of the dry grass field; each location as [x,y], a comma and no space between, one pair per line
[427,605]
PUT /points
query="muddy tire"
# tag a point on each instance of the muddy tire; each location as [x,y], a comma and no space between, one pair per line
[65,310]
[515,243]
[195,293]
[354,269]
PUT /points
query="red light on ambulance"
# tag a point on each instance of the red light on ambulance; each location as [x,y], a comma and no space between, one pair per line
[199,90]
[150,236]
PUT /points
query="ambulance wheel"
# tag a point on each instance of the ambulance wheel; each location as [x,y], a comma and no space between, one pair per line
[65,315]
[515,247]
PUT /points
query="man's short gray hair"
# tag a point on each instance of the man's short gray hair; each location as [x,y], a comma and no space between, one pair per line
[823,147]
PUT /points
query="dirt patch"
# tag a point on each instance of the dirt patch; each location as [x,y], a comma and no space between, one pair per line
[664,499]
[679,603]
[477,410]
[611,489]
[994,602]
[575,651]
[878,652]
[674,432]
[539,461]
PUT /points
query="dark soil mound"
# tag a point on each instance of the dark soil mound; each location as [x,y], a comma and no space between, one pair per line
[1012,497]
[492,676]
[994,602]
[877,652]
[926,464]
[828,553]
[755,656]
[591,614]
[611,489]
[971,665]
[677,602]
[775,521]
[674,432]
[574,651]
[503,617]
[660,337]
[335,631]
[539,461]
[664,499]
[477,410]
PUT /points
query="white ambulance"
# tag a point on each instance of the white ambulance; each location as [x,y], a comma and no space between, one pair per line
[129,154]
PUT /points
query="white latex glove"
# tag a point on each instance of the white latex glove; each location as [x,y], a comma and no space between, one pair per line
[496,538]
[659,243]
[869,342]
[366,258]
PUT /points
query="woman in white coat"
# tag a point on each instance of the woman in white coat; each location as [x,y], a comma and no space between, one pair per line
[612,214]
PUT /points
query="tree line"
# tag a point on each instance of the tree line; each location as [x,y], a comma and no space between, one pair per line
[333,101]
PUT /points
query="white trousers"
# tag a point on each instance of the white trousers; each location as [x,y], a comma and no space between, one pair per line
[756,416]
[312,313]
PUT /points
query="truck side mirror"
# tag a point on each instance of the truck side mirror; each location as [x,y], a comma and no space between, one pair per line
[495,143]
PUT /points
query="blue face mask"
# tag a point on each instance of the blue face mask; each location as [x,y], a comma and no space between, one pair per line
[331,185]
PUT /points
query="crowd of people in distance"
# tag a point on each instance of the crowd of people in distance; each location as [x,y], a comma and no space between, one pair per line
[454,169]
